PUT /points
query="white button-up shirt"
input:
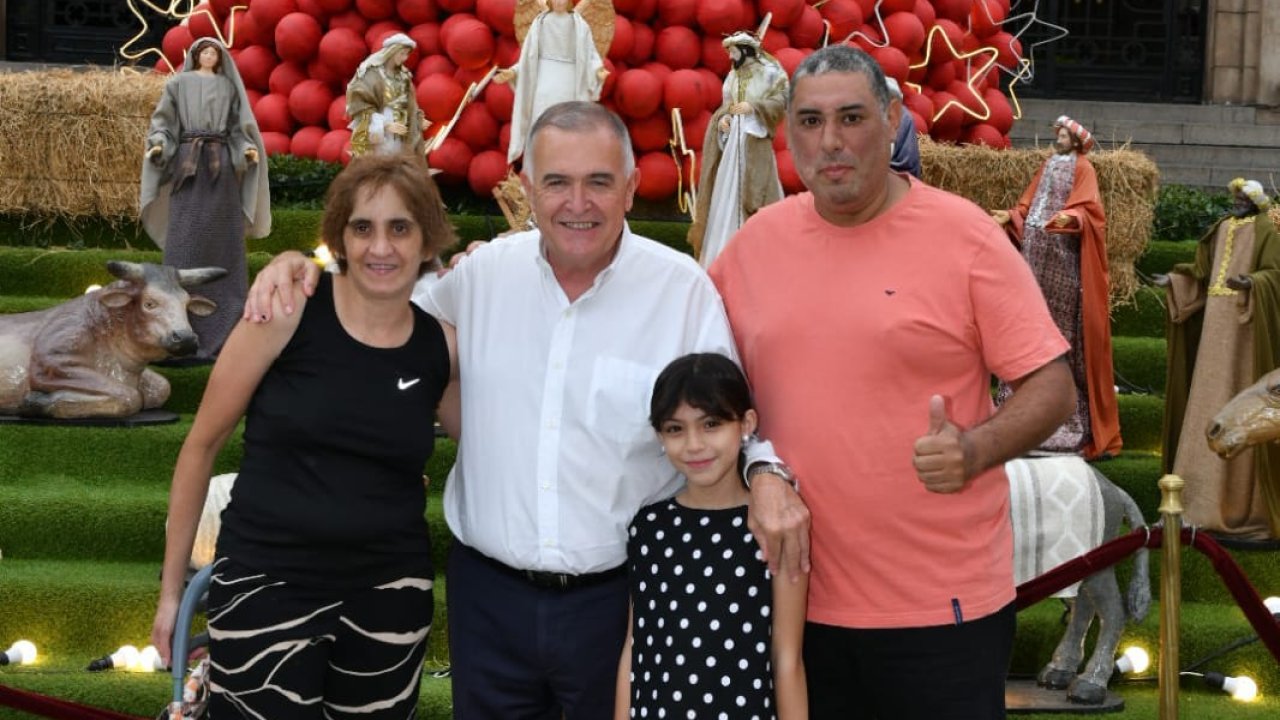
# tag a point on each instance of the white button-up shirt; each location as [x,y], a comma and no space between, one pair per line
[556,453]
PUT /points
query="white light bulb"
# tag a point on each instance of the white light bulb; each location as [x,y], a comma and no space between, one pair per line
[126,657]
[22,652]
[149,660]
[91,288]
[1273,605]
[1241,688]
[1134,660]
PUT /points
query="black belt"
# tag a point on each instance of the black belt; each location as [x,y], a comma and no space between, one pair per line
[548,580]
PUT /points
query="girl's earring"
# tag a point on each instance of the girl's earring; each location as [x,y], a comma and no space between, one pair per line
[745,439]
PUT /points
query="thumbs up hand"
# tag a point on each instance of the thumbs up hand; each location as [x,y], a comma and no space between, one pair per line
[943,454]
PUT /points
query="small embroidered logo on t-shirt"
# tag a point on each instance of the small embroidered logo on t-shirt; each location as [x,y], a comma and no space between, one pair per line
[406,384]
[889,291]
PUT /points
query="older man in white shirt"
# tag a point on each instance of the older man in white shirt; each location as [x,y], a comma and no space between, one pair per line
[561,333]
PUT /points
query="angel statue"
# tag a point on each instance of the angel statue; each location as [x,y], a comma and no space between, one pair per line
[562,50]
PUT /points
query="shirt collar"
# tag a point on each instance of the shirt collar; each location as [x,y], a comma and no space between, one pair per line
[625,247]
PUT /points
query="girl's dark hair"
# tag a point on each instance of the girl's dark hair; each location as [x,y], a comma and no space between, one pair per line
[709,382]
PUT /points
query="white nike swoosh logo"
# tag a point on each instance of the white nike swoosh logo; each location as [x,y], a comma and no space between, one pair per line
[406,384]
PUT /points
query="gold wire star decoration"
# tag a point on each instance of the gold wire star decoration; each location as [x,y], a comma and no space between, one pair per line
[172,11]
[974,75]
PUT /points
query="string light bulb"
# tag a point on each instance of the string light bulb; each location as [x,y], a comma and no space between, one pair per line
[1273,605]
[1133,660]
[149,660]
[1241,688]
[22,652]
[125,657]
[91,288]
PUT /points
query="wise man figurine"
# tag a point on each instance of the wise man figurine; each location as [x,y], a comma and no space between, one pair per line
[1061,229]
[1223,335]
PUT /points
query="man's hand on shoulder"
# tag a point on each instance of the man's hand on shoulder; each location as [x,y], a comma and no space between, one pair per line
[779,520]
[277,278]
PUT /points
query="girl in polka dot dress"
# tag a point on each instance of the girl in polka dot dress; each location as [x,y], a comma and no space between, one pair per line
[712,634]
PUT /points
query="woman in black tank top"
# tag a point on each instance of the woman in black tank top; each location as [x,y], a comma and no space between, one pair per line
[323,579]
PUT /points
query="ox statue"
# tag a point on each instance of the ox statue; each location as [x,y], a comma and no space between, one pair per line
[1062,508]
[88,356]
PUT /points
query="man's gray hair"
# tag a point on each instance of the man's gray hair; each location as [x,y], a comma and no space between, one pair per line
[581,116]
[843,59]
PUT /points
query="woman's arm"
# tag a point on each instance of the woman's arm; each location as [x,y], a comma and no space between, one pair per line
[622,697]
[790,602]
[244,360]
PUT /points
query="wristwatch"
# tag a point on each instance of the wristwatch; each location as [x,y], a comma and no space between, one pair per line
[773,468]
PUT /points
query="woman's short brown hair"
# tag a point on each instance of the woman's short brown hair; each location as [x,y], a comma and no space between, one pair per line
[409,176]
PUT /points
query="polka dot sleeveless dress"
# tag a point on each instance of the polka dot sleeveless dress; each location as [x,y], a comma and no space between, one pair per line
[702,616]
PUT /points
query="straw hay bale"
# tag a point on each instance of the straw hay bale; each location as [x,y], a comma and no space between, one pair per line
[71,142]
[995,179]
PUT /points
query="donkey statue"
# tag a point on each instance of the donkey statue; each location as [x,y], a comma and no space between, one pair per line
[1250,418]
[1062,508]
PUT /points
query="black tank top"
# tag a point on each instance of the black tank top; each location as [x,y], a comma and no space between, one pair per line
[330,492]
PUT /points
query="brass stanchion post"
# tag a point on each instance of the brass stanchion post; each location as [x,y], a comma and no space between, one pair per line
[1170,593]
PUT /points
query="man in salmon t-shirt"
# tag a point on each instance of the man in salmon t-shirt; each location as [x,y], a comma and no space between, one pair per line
[870,314]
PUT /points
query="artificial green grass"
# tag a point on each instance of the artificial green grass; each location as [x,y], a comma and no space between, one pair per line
[1144,316]
[1161,255]
[1139,363]
[1141,417]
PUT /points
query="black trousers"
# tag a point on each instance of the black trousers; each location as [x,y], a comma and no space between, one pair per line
[519,652]
[283,651]
[942,672]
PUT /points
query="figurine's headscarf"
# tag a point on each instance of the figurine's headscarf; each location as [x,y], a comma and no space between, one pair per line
[742,37]
[1083,135]
[1253,190]
[390,45]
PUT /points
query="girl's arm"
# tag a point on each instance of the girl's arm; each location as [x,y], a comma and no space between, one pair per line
[622,698]
[243,361]
[790,601]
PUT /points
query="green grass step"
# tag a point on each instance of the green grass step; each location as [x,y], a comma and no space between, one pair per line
[103,523]
[1161,255]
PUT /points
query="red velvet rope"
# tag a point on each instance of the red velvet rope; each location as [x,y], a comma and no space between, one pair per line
[1108,554]
[51,707]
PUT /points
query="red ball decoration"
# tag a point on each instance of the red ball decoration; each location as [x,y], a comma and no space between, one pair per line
[436,65]
[466,76]
[922,122]
[644,10]
[624,39]
[658,176]
[683,89]
[486,171]
[905,31]
[642,45]
[504,138]
[918,103]
[342,50]
[948,116]
[790,58]
[375,9]
[786,12]
[337,117]
[201,21]
[638,93]
[845,16]
[971,100]
[925,11]
[253,96]
[470,44]
[893,62]
[275,143]
[985,18]
[285,77]
[658,70]
[506,53]
[1008,50]
[297,37]
[747,15]
[1001,114]
[221,8]
[174,46]
[714,57]
[351,20]
[476,127]
[956,11]
[439,97]
[651,133]
[893,6]
[335,146]
[452,158]
[499,99]
[416,12]
[678,12]
[312,8]
[941,75]
[807,31]
[787,175]
[317,70]
[695,129]
[449,23]
[983,134]
[266,13]
[457,6]
[678,47]
[272,113]
[332,7]
[774,40]
[780,135]
[309,102]
[244,34]
[499,15]
[255,64]
[712,88]
[427,37]
[720,17]
[938,49]
[379,31]
[611,78]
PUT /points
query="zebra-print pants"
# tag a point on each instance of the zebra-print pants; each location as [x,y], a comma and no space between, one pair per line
[278,650]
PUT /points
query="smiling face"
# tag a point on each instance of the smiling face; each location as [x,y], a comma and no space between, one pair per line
[705,448]
[839,140]
[383,244]
[580,195]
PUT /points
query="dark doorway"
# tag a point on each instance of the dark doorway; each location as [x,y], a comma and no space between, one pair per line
[76,31]
[1139,50]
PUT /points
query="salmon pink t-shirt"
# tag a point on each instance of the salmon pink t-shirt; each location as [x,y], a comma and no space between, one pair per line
[845,333]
